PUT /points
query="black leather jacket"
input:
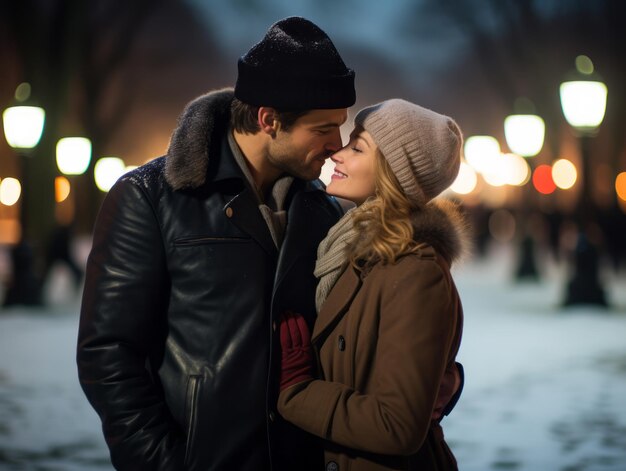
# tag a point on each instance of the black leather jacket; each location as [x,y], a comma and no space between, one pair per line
[177,351]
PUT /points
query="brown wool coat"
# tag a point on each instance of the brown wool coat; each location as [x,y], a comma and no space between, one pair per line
[384,340]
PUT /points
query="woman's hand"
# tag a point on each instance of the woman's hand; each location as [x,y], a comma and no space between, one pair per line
[297,356]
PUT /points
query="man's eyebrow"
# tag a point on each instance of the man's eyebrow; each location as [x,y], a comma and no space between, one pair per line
[326,125]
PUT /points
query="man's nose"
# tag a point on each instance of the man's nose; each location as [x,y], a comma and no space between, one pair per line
[334,142]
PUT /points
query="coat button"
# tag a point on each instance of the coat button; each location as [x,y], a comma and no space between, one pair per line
[272,416]
[341,342]
[332,466]
[229,212]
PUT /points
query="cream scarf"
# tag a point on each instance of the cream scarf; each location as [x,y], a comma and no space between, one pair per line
[332,257]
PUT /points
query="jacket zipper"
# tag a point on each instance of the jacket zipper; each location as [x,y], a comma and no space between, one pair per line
[192,401]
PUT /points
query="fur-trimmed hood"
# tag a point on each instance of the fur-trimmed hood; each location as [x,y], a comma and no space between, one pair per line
[442,224]
[197,135]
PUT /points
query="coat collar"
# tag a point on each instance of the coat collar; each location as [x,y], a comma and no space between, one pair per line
[196,141]
[442,225]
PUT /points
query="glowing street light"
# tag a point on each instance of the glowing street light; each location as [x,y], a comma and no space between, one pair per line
[620,186]
[564,174]
[524,134]
[107,171]
[481,152]
[465,181]
[73,155]
[10,191]
[583,100]
[23,126]
[584,103]
[62,188]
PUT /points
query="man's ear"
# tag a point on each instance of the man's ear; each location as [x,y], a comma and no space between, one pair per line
[268,120]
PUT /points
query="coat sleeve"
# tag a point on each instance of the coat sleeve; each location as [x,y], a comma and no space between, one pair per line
[124,299]
[417,325]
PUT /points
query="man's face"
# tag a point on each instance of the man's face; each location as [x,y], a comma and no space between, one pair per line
[302,150]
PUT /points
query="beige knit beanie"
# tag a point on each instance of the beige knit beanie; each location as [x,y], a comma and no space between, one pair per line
[423,148]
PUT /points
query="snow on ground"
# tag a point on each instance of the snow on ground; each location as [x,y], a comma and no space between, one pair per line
[544,391]
[545,387]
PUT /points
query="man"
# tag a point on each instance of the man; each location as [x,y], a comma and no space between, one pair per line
[197,253]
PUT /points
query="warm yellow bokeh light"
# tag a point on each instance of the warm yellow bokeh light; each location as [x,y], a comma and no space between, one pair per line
[107,171]
[620,186]
[517,169]
[506,169]
[564,174]
[10,191]
[61,189]
[481,152]
[465,181]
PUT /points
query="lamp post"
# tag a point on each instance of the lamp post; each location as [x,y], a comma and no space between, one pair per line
[584,102]
[23,127]
[524,135]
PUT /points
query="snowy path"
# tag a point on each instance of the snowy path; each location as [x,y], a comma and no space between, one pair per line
[545,388]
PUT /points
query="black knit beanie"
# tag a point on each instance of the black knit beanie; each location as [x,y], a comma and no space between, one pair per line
[295,67]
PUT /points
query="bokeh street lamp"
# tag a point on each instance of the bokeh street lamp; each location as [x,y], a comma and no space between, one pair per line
[584,102]
[107,171]
[23,127]
[524,135]
[73,155]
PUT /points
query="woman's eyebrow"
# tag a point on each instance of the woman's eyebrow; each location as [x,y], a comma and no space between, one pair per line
[361,138]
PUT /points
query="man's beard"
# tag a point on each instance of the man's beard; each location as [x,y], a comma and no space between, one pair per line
[297,168]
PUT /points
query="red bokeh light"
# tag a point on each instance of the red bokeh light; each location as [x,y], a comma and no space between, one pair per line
[542,180]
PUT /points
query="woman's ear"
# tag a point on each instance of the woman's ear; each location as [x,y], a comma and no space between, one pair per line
[268,120]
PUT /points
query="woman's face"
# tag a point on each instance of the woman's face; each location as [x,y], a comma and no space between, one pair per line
[354,177]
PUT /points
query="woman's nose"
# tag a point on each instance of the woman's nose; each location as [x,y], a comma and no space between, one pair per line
[336,157]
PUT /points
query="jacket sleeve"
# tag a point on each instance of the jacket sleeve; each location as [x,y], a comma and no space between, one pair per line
[124,300]
[417,325]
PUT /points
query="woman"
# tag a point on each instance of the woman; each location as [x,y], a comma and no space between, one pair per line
[390,318]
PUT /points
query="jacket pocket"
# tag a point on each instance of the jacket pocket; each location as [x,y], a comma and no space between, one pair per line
[191,406]
[192,241]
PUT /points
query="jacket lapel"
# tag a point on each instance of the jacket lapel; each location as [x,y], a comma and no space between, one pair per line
[337,302]
[309,218]
[244,213]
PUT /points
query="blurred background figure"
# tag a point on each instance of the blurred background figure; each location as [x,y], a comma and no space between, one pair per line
[59,251]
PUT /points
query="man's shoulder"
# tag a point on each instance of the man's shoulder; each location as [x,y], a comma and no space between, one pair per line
[147,175]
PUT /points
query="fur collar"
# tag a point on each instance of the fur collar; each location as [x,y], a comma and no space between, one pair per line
[442,224]
[199,131]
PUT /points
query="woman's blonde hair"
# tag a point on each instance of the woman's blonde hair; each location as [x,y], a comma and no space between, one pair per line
[383,221]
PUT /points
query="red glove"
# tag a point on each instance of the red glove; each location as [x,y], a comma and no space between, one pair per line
[297,357]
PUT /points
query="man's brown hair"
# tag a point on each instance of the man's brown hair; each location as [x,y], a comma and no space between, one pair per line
[243,117]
